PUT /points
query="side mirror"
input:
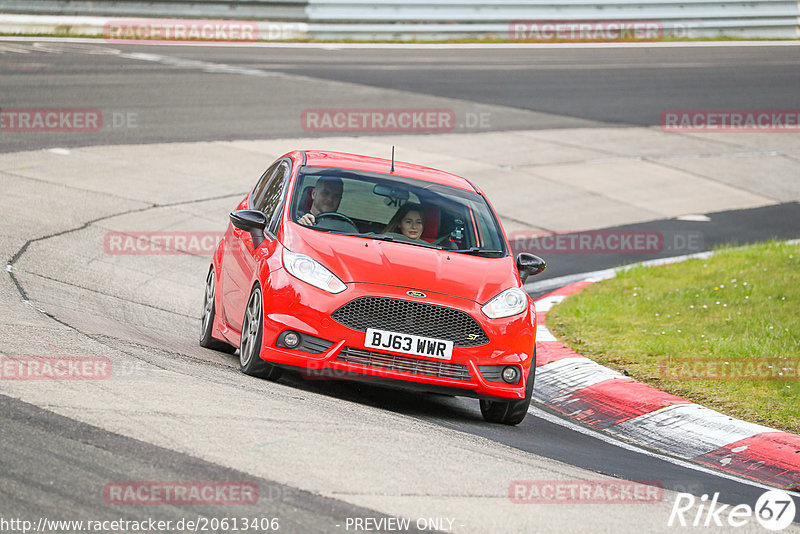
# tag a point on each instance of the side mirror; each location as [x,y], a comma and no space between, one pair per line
[252,221]
[528,265]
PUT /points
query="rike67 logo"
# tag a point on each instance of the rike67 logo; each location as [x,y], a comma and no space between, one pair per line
[774,510]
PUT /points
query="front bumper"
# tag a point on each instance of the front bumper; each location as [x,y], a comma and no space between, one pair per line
[340,352]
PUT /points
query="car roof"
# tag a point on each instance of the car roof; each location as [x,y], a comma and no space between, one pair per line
[343,160]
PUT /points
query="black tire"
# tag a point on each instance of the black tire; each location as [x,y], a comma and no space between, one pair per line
[511,412]
[250,361]
[207,319]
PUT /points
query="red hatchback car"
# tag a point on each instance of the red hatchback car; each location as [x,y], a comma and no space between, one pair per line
[355,267]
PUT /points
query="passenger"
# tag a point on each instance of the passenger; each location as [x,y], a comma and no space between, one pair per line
[407,221]
[325,198]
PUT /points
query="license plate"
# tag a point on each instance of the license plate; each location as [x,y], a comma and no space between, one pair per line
[409,344]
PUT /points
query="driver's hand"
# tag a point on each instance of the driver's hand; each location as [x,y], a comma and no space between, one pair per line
[307,220]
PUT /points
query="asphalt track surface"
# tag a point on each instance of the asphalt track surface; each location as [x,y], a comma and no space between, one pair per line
[193,99]
[83,458]
[173,98]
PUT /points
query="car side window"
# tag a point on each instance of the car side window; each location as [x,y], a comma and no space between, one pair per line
[258,190]
[272,197]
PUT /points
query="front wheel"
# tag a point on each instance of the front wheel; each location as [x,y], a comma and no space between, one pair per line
[510,412]
[250,361]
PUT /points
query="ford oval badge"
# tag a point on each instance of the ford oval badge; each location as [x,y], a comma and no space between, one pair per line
[418,294]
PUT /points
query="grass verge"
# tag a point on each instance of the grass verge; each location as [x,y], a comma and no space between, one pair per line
[723,332]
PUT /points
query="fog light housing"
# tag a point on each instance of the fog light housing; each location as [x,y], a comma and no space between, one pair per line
[291,339]
[511,374]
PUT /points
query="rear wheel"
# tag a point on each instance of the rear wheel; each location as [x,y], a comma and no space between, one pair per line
[207,319]
[250,361]
[510,412]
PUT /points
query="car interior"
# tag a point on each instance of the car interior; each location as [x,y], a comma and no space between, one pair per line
[370,209]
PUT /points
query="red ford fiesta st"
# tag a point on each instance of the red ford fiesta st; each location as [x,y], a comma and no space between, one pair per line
[362,268]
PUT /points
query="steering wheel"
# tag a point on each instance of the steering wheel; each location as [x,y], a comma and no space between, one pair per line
[441,240]
[334,216]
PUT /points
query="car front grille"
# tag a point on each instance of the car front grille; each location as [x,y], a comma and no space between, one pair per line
[404,364]
[416,318]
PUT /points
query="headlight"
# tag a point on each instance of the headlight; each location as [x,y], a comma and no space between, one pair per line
[312,272]
[509,302]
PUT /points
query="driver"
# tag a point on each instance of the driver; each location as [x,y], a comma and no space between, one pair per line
[325,198]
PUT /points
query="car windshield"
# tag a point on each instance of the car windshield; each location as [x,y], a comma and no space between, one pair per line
[394,208]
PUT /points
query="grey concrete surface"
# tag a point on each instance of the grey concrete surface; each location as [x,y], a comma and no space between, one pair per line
[141,312]
[392,453]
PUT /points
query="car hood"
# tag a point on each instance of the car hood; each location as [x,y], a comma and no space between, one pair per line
[358,259]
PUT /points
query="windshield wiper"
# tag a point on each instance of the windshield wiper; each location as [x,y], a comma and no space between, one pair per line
[401,239]
[479,251]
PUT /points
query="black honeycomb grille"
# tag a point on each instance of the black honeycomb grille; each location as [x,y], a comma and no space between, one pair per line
[416,318]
